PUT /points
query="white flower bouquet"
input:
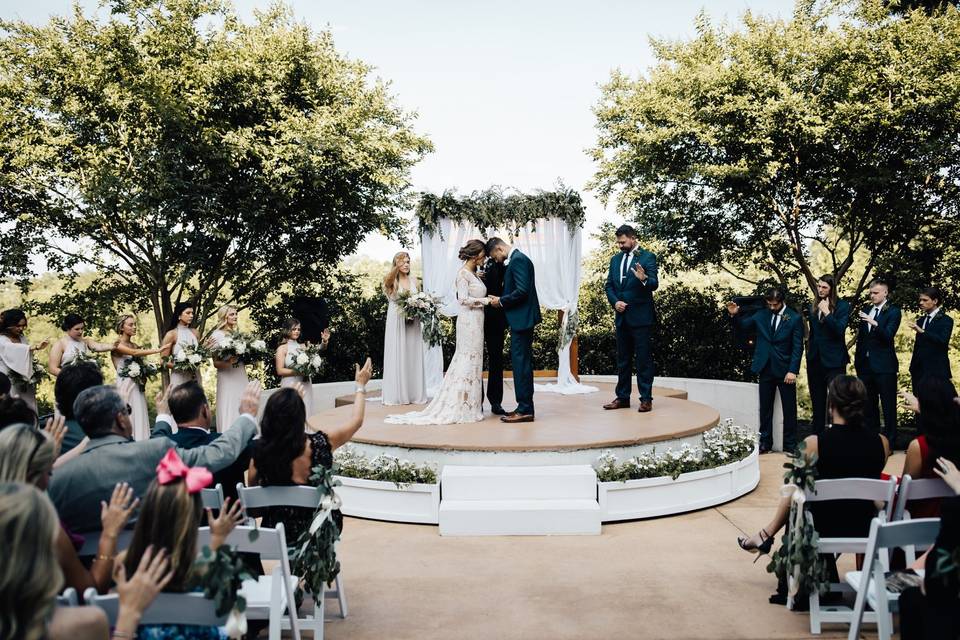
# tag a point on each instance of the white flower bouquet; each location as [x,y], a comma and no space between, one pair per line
[246,348]
[40,373]
[189,359]
[307,361]
[138,370]
[424,307]
[82,356]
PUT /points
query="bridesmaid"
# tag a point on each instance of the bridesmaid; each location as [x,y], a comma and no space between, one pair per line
[231,375]
[289,346]
[404,381]
[72,343]
[179,336]
[16,354]
[125,350]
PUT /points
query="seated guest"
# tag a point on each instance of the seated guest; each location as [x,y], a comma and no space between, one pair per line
[189,408]
[27,455]
[112,455]
[938,418]
[285,453]
[931,351]
[848,449]
[31,578]
[15,411]
[931,613]
[169,520]
[70,383]
[4,384]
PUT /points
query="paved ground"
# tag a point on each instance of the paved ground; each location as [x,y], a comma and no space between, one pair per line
[676,577]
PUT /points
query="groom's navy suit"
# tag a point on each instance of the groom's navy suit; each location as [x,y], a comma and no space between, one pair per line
[636,321]
[522,308]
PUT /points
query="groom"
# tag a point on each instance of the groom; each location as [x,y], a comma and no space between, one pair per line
[519,302]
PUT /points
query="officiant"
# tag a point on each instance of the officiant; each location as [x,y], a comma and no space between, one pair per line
[494,330]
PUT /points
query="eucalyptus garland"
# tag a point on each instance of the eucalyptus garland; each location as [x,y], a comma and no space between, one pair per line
[220,574]
[314,556]
[798,557]
[496,208]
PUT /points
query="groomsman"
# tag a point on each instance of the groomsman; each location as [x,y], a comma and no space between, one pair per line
[631,281]
[776,361]
[933,328]
[827,355]
[876,358]
[494,330]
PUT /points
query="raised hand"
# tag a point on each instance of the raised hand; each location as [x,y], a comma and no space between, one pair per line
[325,334]
[56,428]
[40,346]
[866,318]
[250,400]
[135,595]
[161,400]
[733,308]
[948,471]
[640,272]
[114,516]
[364,373]
[220,527]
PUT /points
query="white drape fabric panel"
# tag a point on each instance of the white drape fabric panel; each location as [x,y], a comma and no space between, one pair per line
[556,254]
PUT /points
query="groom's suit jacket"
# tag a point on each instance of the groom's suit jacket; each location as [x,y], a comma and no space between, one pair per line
[519,299]
[638,295]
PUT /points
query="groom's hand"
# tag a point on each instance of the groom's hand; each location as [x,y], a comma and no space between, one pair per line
[620,306]
[495,301]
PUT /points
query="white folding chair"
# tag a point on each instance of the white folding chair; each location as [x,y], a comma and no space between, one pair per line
[167,608]
[870,583]
[212,498]
[268,596]
[68,598]
[846,489]
[91,542]
[307,498]
[917,489]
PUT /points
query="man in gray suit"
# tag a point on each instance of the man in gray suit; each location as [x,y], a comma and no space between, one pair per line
[112,456]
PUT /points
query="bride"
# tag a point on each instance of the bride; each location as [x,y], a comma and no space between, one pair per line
[461,396]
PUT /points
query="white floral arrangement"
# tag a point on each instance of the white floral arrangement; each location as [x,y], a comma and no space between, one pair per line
[307,361]
[246,348]
[353,464]
[21,383]
[188,359]
[82,355]
[724,444]
[138,370]
[424,307]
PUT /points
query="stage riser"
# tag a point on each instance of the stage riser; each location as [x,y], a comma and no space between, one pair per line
[570,482]
[519,517]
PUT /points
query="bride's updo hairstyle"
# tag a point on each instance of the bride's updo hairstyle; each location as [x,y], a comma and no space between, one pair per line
[848,396]
[472,249]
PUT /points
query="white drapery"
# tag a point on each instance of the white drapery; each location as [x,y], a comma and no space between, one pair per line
[552,246]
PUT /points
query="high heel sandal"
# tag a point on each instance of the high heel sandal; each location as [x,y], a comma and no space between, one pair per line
[762,549]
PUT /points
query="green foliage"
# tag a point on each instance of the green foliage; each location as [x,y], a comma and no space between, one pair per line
[494,209]
[220,575]
[835,130]
[353,464]
[218,163]
[313,557]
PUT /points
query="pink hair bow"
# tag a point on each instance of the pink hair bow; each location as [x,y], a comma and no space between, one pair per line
[172,468]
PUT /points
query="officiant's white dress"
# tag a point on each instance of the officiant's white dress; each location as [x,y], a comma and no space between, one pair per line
[404,380]
[461,395]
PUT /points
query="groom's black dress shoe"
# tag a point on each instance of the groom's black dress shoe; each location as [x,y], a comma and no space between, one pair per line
[497,410]
[512,418]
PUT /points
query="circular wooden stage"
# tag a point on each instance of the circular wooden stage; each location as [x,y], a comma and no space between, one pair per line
[564,423]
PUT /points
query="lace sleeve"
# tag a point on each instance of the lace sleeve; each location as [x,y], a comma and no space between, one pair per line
[463,293]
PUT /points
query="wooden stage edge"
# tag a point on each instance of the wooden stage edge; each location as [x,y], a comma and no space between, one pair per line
[563,423]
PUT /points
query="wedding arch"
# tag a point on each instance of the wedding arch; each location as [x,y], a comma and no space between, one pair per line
[546,225]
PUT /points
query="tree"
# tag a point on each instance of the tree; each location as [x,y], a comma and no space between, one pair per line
[222,164]
[835,131]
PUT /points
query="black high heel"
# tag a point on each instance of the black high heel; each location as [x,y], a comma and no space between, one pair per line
[762,549]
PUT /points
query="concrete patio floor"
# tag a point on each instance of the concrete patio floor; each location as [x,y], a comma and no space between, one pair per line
[673,577]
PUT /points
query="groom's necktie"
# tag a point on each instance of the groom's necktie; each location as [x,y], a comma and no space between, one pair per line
[623,266]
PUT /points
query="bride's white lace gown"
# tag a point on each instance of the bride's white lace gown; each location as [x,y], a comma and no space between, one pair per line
[460,398]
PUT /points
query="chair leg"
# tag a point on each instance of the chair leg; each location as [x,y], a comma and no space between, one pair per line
[341,595]
[815,612]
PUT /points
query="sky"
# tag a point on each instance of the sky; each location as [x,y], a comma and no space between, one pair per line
[504,89]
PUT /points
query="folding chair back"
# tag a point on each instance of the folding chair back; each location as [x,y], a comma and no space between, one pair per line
[91,542]
[871,584]
[68,598]
[290,496]
[212,498]
[919,489]
[167,608]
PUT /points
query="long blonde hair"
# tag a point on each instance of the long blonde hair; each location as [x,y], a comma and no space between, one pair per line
[31,576]
[392,279]
[26,454]
[222,314]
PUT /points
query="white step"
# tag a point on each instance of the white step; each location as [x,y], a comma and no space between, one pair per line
[575,481]
[519,517]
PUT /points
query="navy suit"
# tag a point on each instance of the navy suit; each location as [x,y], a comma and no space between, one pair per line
[776,353]
[930,351]
[187,438]
[877,365]
[494,328]
[522,308]
[635,323]
[827,356]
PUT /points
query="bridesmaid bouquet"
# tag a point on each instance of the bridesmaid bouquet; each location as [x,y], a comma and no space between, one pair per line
[83,356]
[189,359]
[307,361]
[139,370]
[246,348]
[424,307]
[40,373]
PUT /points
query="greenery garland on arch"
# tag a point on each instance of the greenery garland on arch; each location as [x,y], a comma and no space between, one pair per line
[497,207]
